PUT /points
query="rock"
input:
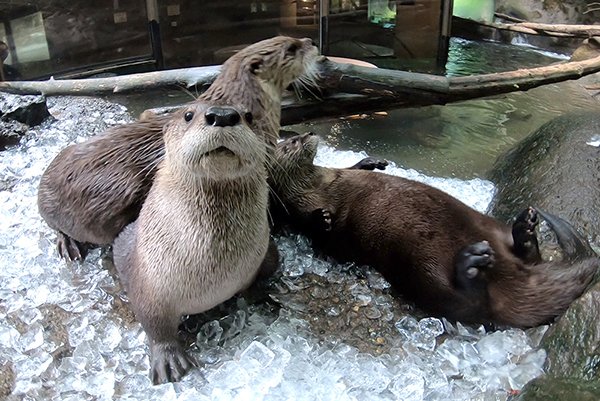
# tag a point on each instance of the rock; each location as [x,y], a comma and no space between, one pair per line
[557,168]
[11,132]
[589,48]
[573,342]
[550,388]
[7,379]
[17,114]
[30,110]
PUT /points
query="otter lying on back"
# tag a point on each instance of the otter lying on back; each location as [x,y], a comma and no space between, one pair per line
[450,259]
[91,190]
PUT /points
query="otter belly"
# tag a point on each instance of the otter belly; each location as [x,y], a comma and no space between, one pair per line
[213,289]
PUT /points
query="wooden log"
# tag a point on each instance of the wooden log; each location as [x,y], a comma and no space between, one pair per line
[533,28]
[186,77]
[379,82]
[345,88]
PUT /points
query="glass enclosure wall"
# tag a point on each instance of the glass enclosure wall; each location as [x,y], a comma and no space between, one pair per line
[208,32]
[58,36]
[401,34]
[84,38]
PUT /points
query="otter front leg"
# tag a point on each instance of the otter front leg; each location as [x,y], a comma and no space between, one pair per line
[168,360]
[322,220]
[70,249]
[270,263]
[525,243]
[471,265]
[369,163]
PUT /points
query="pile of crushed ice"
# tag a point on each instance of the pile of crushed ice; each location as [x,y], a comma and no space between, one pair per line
[65,333]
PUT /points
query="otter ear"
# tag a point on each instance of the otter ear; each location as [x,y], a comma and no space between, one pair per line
[256,66]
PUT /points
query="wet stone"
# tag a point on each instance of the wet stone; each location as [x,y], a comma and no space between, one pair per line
[7,379]
[30,110]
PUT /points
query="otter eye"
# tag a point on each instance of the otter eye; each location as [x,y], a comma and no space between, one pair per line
[188,116]
[291,50]
[248,117]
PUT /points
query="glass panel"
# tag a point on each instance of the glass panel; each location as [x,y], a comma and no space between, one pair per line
[403,34]
[70,37]
[30,38]
[209,33]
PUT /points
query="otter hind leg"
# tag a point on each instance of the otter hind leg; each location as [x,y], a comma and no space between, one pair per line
[70,249]
[471,265]
[169,362]
[369,163]
[525,243]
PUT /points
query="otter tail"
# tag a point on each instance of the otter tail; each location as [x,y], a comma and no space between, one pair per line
[571,241]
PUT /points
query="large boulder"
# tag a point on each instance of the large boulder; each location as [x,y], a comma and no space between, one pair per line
[557,168]
[573,362]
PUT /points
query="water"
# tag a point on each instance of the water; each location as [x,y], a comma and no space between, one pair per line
[461,139]
[338,334]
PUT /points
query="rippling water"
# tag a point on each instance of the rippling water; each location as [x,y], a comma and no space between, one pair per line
[461,139]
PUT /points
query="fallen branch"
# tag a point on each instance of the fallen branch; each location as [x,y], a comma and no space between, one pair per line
[533,28]
[186,77]
[423,88]
[346,88]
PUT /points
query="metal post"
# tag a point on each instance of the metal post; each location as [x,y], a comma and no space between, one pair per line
[154,29]
[324,26]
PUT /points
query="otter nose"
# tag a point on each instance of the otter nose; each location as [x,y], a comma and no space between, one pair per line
[222,116]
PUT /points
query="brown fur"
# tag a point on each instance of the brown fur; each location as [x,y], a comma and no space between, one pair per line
[413,233]
[91,190]
[202,233]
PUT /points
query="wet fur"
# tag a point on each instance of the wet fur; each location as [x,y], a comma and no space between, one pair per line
[91,190]
[412,233]
[201,235]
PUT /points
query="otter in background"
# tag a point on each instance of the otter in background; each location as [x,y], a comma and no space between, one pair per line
[449,259]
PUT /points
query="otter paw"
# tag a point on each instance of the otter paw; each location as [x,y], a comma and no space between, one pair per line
[525,244]
[70,249]
[369,163]
[323,219]
[472,261]
[169,362]
[526,221]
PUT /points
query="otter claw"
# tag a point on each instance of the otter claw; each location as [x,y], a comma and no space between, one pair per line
[169,363]
[322,219]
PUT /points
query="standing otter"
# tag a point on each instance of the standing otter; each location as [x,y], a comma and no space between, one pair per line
[450,259]
[202,232]
[91,190]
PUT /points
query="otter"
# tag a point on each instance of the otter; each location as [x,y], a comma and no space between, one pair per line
[202,233]
[451,260]
[92,190]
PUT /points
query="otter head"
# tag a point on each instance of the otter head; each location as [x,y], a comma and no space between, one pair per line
[279,61]
[213,142]
[295,153]
[275,62]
